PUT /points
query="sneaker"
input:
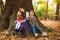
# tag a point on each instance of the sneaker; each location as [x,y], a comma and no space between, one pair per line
[44,33]
[36,34]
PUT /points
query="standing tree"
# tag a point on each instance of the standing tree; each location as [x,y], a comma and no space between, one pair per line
[57,9]
[6,13]
[1,3]
[47,9]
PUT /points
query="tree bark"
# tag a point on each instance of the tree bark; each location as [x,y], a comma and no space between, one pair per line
[57,11]
[1,3]
[47,10]
[7,12]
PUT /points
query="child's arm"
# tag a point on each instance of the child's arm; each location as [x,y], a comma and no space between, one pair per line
[22,21]
[36,22]
[16,21]
[28,18]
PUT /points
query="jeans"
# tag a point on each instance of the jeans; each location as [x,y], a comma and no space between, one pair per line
[36,28]
[18,24]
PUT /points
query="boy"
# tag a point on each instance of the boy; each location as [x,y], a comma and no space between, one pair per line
[34,24]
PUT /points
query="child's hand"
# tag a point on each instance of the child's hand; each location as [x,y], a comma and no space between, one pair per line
[37,24]
[16,21]
[23,21]
[28,18]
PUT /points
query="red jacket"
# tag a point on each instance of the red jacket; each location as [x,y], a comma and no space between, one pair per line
[20,18]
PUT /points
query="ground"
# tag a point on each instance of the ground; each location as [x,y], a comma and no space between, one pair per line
[54,35]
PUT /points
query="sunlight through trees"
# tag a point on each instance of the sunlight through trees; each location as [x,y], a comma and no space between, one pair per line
[42,8]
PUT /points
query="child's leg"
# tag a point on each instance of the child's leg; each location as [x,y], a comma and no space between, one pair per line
[33,29]
[18,25]
[22,32]
[39,29]
[26,27]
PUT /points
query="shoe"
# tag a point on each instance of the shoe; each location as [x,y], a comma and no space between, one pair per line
[44,33]
[36,34]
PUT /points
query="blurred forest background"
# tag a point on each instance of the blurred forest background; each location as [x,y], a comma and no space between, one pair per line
[47,8]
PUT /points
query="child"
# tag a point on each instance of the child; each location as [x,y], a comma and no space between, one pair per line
[34,25]
[24,25]
[25,28]
[19,20]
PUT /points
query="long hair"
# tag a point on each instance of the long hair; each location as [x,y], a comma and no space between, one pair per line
[23,14]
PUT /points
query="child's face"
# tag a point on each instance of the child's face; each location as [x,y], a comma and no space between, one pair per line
[20,13]
[31,13]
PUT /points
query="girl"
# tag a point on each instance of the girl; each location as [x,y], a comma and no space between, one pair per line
[19,20]
[34,24]
[24,25]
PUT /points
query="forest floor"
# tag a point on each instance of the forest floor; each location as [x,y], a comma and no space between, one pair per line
[54,35]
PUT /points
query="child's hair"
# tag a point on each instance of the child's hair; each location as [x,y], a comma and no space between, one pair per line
[32,11]
[23,13]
